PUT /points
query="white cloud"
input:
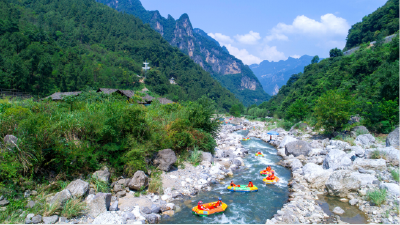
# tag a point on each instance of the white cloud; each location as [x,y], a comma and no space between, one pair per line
[276,36]
[329,25]
[249,39]
[272,54]
[243,55]
[295,56]
[222,39]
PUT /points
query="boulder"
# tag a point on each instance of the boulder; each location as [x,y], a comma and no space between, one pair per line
[4,202]
[164,159]
[138,180]
[206,156]
[340,144]
[315,175]
[338,210]
[50,219]
[155,209]
[238,162]
[374,164]
[336,159]
[103,175]
[225,163]
[354,119]
[286,140]
[391,188]
[296,164]
[61,197]
[129,216]
[78,188]
[98,204]
[109,218]
[358,130]
[118,187]
[342,182]
[392,155]
[114,206]
[10,140]
[121,194]
[393,139]
[365,139]
[152,218]
[37,219]
[297,148]
[353,201]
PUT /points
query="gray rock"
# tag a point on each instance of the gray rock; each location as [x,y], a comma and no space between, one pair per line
[129,216]
[286,140]
[342,182]
[315,175]
[296,164]
[4,202]
[30,204]
[109,218]
[121,194]
[374,164]
[354,119]
[61,197]
[152,218]
[206,156]
[359,130]
[393,139]
[34,193]
[164,159]
[78,188]
[338,210]
[100,203]
[341,145]
[37,219]
[391,188]
[50,219]
[114,206]
[335,159]
[118,187]
[155,209]
[92,191]
[392,155]
[1,197]
[10,140]
[138,180]
[27,193]
[176,194]
[146,210]
[63,219]
[103,175]
[237,162]
[366,139]
[297,148]
[28,219]
[353,201]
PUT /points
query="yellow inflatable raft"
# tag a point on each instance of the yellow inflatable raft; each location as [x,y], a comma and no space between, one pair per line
[265,173]
[245,139]
[271,181]
[211,209]
[259,155]
[243,188]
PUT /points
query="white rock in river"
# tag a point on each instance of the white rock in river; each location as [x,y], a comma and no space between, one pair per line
[338,210]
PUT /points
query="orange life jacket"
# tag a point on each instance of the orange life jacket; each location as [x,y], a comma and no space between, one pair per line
[201,207]
[250,184]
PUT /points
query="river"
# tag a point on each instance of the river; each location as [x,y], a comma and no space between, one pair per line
[243,207]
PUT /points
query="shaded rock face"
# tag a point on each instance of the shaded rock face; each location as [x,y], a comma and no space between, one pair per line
[164,159]
[138,180]
[393,139]
[297,148]
[78,188]
[98,204]
[103,175]
[365,139]
[341,182]
[61,197]
[336,159]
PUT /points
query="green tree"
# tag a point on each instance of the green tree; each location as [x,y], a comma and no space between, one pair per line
[333,110]
[236,110]
[335,52]
[390,111]
[297,111]
[315,59]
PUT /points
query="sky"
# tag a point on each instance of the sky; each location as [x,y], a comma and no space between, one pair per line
[273,30]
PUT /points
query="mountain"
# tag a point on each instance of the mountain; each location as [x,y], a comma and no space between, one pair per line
[273,75]
[382,22]
[364,83]
[71,45]
[201,48]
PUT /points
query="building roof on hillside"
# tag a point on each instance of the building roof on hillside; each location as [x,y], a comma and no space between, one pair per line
[59,95]
[127,93]
[164,101]
[107,90]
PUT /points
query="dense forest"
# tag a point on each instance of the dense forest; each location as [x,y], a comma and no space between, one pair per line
[382,22]
[180,33]
[70,45]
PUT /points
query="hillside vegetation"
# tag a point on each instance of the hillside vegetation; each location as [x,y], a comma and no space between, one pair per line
[364,83]
[382,22]
[70,45]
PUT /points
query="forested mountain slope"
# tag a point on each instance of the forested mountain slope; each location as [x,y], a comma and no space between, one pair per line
[200,47]
[68,45]
[364,83]
[384,21]
[273,75]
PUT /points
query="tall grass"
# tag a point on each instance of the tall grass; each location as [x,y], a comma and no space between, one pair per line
[73,208]
[155,184]
[395,174]
[376,154]
[99,185]
[195,156]
[378,197]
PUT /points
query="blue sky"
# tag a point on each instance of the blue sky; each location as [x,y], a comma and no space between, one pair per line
[256,30]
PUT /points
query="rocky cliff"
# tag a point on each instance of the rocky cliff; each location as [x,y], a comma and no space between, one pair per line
[201,48]
[273,75]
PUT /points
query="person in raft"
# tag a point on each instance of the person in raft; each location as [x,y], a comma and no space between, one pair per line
[233,184]
[259,153]
[218,203]
[271,176]
[201,206]
[250,184]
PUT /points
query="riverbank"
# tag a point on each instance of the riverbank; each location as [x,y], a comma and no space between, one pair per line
[349,171]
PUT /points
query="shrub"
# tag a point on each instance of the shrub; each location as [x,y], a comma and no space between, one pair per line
[376,154]
[285,124]
[395,174]
[73,208]
[99,185]
[155,184]
[378,197]
[195,156]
